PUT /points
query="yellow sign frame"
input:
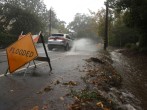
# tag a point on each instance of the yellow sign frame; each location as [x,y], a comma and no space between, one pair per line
[21,52]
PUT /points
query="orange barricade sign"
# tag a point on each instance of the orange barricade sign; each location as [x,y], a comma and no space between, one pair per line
[21,52]
[35,38]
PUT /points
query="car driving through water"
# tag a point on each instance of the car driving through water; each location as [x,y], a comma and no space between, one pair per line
[59,40]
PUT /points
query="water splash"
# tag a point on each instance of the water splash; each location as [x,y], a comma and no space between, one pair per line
[83,46]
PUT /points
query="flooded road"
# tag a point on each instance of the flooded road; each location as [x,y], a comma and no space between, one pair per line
[133,70]
[40,88]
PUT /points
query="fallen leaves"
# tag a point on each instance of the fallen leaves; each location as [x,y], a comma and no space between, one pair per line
[100,104]
[70,83]
[103,74]
[89,100]
[61,98]
[96,60]
[11,90]
[100,75]
[47,89]
[44,107]
[39,92]
[57,82]
[35,108]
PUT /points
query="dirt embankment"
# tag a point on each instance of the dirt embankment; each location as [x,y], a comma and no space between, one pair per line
[103,87]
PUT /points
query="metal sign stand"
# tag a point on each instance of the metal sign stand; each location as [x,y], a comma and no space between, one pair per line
[48,59]
[28,67]
[41,58]
[5,74]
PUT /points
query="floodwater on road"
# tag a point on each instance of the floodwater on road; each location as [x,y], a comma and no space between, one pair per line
[42,88]
[133,71]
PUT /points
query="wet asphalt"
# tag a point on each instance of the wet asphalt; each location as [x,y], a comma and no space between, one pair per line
[19,92]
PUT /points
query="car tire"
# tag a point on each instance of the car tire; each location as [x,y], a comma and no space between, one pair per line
[50,48]
[66,48]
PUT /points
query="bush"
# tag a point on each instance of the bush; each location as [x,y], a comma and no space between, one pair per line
[128,45]
[121,36]
[143,49]
[6,39]
[132,46]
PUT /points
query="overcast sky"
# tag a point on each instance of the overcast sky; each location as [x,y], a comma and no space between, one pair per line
[66,9]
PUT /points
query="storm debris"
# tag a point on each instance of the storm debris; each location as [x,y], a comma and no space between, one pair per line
[45,107]
[103,75]
[89,100]
[102,90]
[48,88]
[39,92]
[11,90]
[56,82]
[70,83]
[96,60]
[100,104]
[35,108]
[62,98]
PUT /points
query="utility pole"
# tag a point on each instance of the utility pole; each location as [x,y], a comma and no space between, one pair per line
[106,27]
[50,22]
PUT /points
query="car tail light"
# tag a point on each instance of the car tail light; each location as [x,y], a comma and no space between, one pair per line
[50,39]
[61,40]
[57,39]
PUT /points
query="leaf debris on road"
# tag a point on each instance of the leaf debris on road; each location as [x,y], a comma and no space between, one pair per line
[70,83]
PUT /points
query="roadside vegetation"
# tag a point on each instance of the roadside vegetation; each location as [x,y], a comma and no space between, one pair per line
[127,22]
[25,16]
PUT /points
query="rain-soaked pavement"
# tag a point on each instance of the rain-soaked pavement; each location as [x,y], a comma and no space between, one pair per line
[23,93]
[41,89]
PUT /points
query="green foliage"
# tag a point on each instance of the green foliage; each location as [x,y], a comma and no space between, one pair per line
[16,17]
[7,39]
[26,22]
[32,6]
[15,20]
[101,22]
[54,20]
[84,26]
[121,36]
[132,46]
[100,15]
[135,16]
[27,16]
[61,27]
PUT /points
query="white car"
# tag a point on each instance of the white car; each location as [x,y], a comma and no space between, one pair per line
[59,40]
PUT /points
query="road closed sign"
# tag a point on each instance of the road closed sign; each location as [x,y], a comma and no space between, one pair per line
[21,52]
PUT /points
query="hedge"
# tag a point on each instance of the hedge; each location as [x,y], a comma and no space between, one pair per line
[7,39]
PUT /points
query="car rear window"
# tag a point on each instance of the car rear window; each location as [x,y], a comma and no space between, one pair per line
[57,35]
